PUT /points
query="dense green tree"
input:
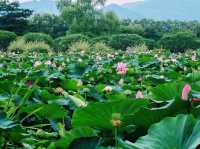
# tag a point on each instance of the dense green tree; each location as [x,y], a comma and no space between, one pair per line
[49,24]
[132,29]
[83,16]
[12,17]
[6,38]
[180,41]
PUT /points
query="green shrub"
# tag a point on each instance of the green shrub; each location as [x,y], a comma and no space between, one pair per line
[17,46]
[63,43]
[102,39]
[20,46]
[80,46]
[38,37]
[37,46]
[122,41]
[180,41]
[5,38]
[150,43]
[132,29]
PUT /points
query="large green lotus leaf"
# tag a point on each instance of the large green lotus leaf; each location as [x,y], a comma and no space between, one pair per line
[193,77]
[145,117]
[99,115]
[168,91]
[6,123]
[74,134]
[70,84]
[180,132]
[49,111]
[85,143]
[46,96]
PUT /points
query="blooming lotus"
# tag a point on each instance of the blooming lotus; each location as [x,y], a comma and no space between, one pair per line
[59,90]
[48,62]
[194,55]
[37,63]
[122,68]
[139,95]
[108,89]
[185,92]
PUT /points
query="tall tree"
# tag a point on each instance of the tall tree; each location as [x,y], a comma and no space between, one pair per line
[49,24]
[12,17]
[84,16]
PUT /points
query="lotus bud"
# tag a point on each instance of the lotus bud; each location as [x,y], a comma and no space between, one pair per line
[185,92]
[108,89]
[77,101]
[116,120]
[59,90]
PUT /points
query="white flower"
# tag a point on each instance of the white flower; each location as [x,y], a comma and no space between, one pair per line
[108,89]
[48,62]
[79,83]
[80,60]
[37,63]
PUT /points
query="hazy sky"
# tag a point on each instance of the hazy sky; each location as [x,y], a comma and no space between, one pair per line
[122,1]
[108,1]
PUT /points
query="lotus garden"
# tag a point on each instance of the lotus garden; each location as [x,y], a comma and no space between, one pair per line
[84,78]
[100,99]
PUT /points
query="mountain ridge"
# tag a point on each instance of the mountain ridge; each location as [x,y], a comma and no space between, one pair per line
[150,9]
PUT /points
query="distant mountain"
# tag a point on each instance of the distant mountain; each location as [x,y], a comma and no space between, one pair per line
[160,9]
[151,9]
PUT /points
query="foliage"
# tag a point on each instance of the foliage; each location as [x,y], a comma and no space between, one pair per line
[5,38]
[84,17]
[20,46]
[12,17]
[81,46]
[49,24]
[105,39]
[180,41]
[185,134]
[123,41]
[38,37]
[63,43]
[88,95]
[132,29]
[93,105]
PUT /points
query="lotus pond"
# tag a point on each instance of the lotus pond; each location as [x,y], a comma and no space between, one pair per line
[100,100]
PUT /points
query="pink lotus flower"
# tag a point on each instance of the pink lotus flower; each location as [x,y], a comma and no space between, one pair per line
[193,57]
[185,92]
[139,95]
[29,83]
[122,68]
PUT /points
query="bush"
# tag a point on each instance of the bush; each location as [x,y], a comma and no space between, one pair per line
[102,39]
[38,37]
[5,38]
[122,41]
[17,46]
[20,46]
[37,46]
[80,46]
[180,41]
[63,43]
[132,29]
[139,49]
[150,43]
[101,46]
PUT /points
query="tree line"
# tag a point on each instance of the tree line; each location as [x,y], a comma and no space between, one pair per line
[86,18]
